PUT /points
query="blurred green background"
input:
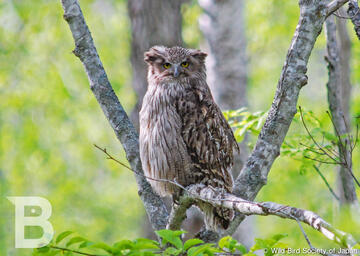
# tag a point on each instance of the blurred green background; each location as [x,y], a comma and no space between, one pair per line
[49,119]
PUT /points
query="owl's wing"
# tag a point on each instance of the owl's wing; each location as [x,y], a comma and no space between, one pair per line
[208,136]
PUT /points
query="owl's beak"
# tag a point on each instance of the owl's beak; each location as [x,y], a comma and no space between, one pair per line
[176,71]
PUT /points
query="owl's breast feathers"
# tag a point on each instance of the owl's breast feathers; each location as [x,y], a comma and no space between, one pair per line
[184,137]
[207,135]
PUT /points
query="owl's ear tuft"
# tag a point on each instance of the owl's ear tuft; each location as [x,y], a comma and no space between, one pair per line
[155,54]
[199,55]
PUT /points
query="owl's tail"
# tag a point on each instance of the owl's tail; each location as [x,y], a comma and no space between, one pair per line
[216,218]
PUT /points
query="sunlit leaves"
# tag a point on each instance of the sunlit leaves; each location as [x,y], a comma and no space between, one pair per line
[244,121]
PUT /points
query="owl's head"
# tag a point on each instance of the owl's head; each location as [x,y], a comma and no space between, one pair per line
[175,63]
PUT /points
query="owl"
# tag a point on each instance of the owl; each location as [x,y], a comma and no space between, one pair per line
[184,136]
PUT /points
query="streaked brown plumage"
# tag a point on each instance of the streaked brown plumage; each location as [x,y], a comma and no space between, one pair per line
[184,137]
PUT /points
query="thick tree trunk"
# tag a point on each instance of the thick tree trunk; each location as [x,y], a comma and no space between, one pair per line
[223,26]
[154,22]
[345,57]
[338,97]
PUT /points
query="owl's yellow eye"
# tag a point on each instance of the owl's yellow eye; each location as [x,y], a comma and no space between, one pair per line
[167,65]
[185,64]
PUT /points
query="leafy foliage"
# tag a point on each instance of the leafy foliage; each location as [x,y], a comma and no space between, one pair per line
[300,146]
[171,244]
[244,121]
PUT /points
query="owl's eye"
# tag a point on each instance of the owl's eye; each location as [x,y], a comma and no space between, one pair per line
[167,65]
[185,64]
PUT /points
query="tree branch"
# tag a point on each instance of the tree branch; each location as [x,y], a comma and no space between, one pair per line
[178,212]
[226,200]
[354,13]
[334,6]
[114,112]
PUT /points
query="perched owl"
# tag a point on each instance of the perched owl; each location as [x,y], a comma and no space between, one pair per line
[184,136]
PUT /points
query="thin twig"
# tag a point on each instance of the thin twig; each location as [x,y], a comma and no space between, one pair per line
[326,182]
[110,157]
[342,147]
[303,232]
[312,138]
[322,161]
[311,149]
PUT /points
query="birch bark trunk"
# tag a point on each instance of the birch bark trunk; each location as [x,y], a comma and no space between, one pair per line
[338,97]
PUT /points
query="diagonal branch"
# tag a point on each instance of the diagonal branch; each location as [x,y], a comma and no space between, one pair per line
[226,200]
[334,6]
[293,77]
[114,112]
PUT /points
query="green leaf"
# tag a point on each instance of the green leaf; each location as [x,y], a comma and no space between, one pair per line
[241,248]
[63,235]
[86,244]
[103,246]
[172,251]
[278,237]
[224,242]
[191,242]
[198,250]
[172,237]
[124,244]
[259,244]
[143,243]
[75,240]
